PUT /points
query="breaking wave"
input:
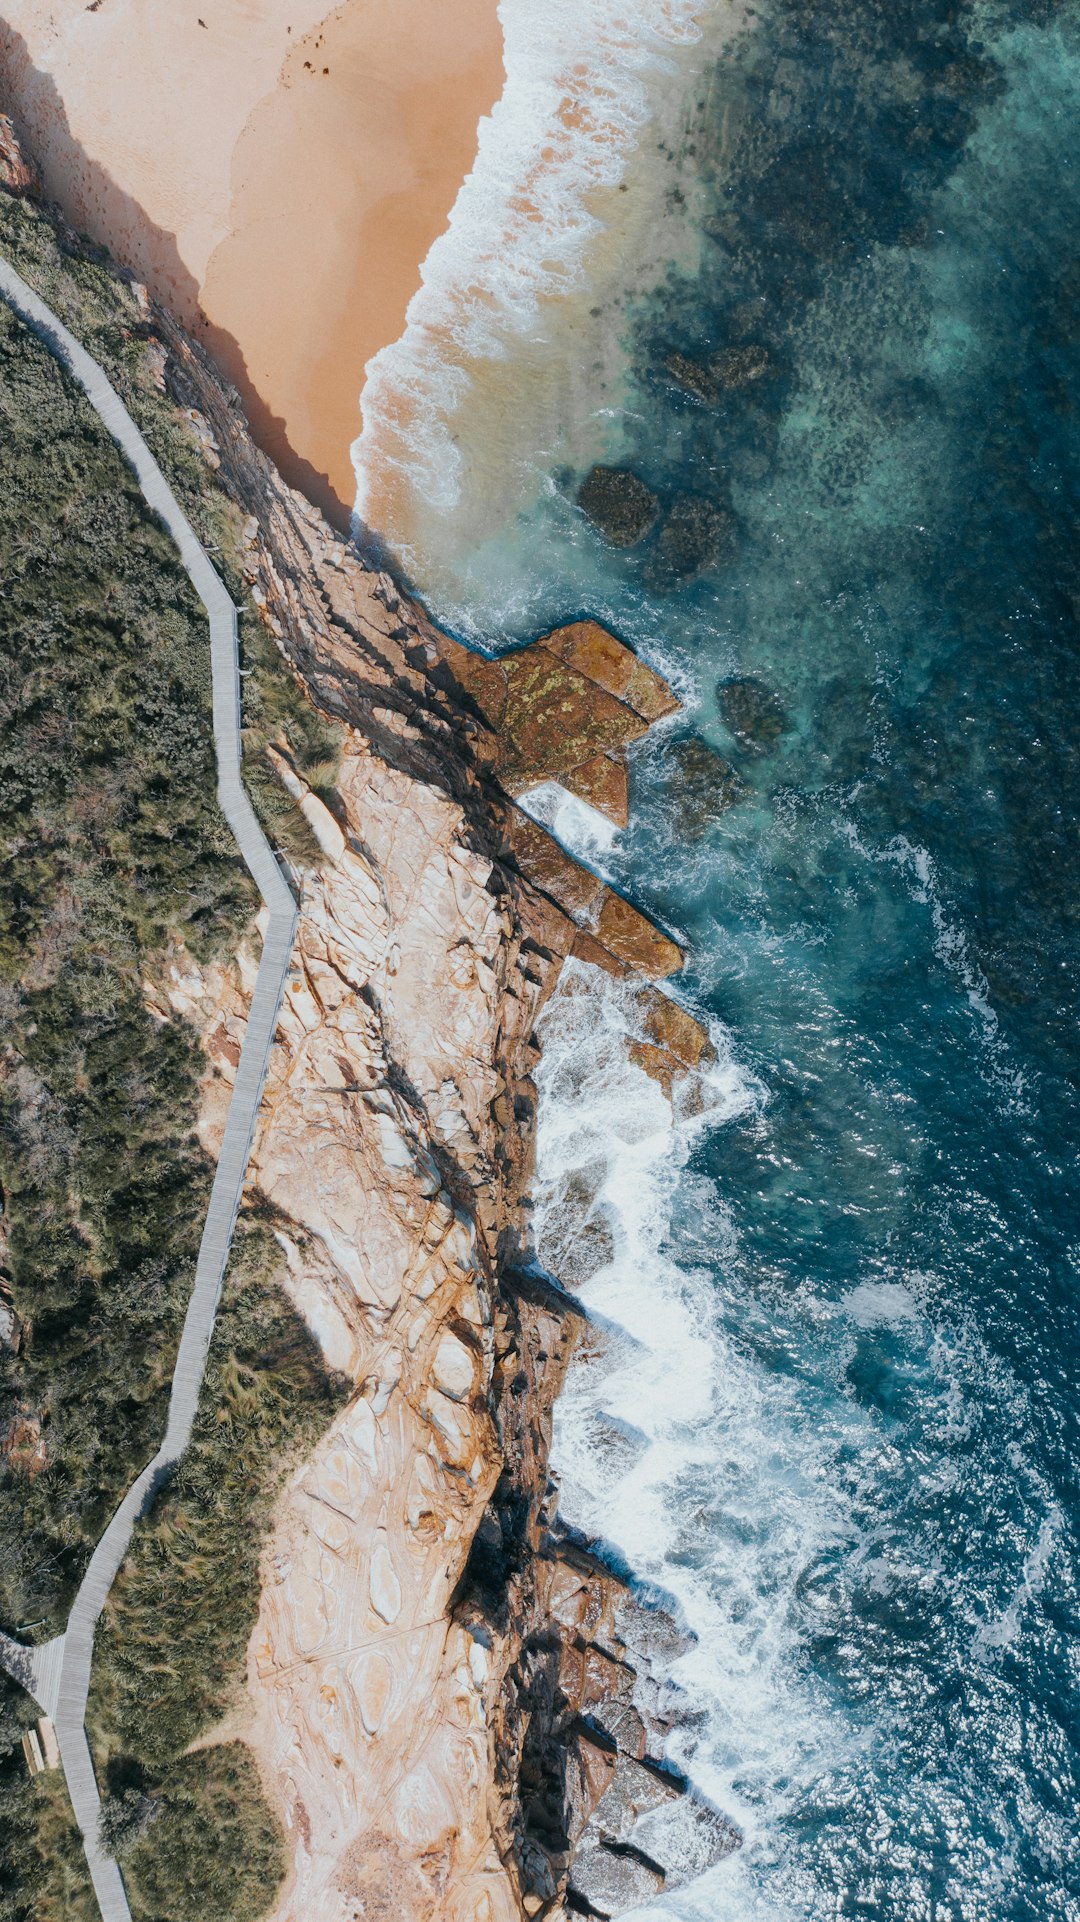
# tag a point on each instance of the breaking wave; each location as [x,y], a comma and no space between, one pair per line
[581,86]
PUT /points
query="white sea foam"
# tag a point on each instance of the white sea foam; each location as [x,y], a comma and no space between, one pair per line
[583,78]
[881,1303]
[581,828]
[1002,1630]
[711,1492]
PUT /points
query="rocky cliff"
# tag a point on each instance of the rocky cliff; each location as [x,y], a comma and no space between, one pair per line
[457,1711]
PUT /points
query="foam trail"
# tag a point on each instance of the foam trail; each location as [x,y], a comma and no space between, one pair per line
[576,99]
[671,1447]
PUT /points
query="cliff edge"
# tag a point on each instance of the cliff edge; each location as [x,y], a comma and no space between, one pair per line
[457,1711]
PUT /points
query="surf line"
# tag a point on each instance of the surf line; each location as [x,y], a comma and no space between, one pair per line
[57,1674]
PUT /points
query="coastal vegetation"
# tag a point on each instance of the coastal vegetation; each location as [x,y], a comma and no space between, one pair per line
[113,855]
[169,1656]
[111,848]
[43,1873]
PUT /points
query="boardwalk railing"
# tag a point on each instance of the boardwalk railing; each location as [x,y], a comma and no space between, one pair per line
[58,1673]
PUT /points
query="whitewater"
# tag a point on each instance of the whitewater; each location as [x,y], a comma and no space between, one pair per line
[829,1409]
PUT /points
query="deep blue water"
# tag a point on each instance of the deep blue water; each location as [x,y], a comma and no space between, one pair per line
[888,924]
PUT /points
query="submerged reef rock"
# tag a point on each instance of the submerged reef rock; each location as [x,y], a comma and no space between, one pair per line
[753,714]
[707,379]
[696,534]
[619,504]
[739,366]
[701,785]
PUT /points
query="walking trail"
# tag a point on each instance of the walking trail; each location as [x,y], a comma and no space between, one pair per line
[57,1674]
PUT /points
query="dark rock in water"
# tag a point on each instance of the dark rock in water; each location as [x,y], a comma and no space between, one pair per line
[725,372]
[739,366]
[697,534]
[619,504]
[701,785]
[695,377]
[753,714]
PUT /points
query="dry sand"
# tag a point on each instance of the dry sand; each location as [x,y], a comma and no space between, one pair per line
[277,175]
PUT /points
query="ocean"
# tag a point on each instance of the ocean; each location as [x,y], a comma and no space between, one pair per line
[832,1414]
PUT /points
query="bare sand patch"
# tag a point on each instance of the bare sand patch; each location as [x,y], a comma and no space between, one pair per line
[275,170]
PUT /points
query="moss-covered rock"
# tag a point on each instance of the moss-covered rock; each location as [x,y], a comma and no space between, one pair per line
[619,504]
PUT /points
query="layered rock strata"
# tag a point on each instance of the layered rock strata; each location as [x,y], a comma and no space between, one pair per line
[458,1712]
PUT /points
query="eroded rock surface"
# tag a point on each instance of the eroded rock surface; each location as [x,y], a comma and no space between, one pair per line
[459,1715]
[445,1732]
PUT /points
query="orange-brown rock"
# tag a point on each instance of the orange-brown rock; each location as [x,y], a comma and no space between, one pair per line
[594,651]
[22,1444]
[403,1693]
[633,938]
[604,782]
[16,173]
[565,708]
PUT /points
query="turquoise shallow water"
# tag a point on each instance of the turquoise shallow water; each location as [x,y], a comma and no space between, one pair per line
[879,1508]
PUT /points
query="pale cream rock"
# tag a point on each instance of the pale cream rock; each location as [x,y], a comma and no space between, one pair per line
[369,1708]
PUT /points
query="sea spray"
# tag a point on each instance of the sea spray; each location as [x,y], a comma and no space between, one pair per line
[663,1430]
[868,1508]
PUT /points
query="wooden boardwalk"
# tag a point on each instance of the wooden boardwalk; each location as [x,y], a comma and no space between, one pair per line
[58,1673]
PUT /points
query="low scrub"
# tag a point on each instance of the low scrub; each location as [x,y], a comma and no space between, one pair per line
[170,1652]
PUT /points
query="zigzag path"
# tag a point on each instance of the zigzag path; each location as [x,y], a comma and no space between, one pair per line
[57,1674]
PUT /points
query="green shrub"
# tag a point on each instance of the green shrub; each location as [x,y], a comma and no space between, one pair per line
[170,1652]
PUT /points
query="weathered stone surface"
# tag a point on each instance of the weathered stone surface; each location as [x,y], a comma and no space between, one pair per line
[607,920]
[548,866]
[611,1880]
[619,504]
[604,783]
[632,938]
[557,718]
[593,650]
[753,714]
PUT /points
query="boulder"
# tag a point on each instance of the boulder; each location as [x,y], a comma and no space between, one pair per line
[725,372]
[697,534]
[701,786]
[753,714]
[695,377]
[619,504]
[611,1880]
[604,783]
[739,366]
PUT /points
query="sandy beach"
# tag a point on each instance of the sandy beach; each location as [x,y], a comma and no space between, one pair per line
[275,170]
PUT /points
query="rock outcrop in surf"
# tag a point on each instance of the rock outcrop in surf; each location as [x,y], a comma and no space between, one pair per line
[458,1711]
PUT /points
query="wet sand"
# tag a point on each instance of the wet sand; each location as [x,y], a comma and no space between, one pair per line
[276,170]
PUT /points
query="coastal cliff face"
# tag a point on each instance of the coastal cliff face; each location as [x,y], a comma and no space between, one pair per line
[457,1712]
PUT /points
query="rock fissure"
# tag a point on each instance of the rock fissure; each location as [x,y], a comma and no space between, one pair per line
[458,1711]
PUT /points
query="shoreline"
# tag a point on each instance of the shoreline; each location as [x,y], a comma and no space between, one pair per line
[265,176]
